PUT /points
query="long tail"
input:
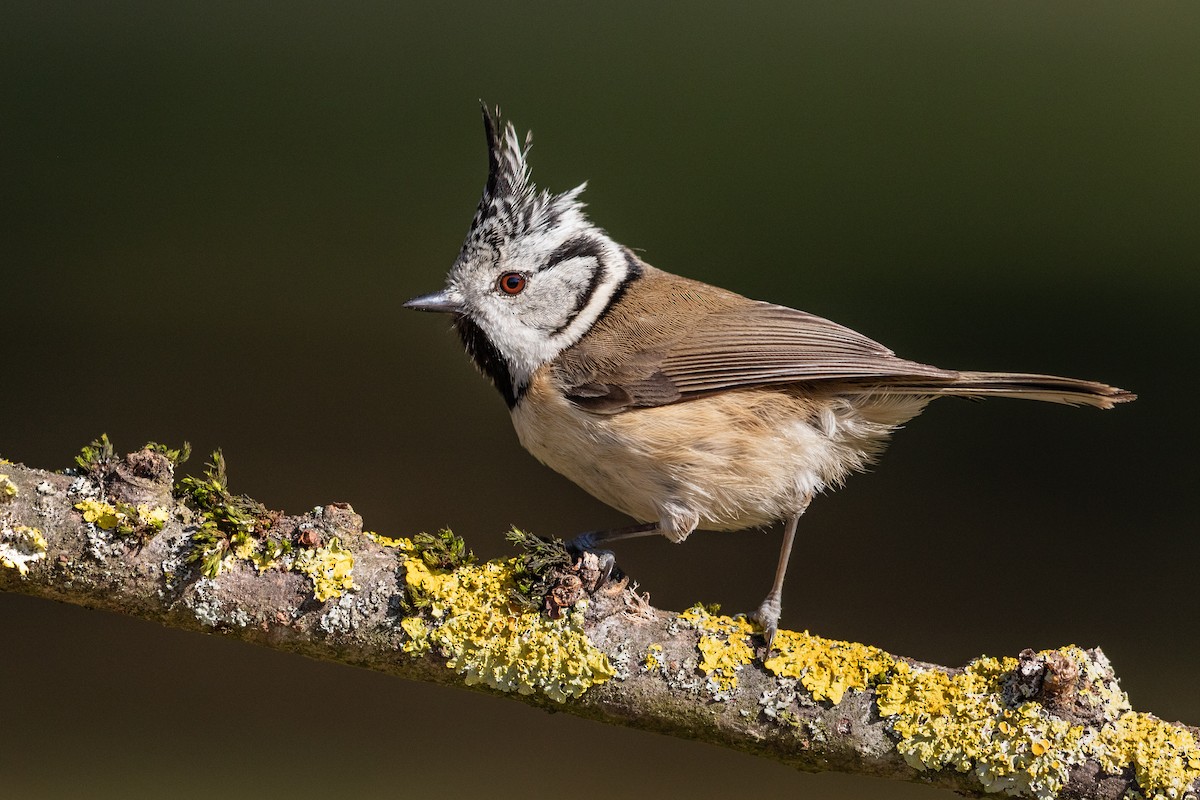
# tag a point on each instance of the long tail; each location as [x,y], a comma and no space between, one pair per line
[1048,388]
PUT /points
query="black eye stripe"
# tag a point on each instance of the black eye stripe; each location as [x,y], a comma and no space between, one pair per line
[578,247]
[584,297]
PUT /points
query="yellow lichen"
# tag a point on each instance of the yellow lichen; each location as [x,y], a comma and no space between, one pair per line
[244,546]
[156,517]
[418,635]
[386,541]
[490,640]
[725,647]
[8,489]
[20,546]
[329,567]
[124,518]
[101,514]
[964,721]
[827,668]
[1165,758]
[653,657]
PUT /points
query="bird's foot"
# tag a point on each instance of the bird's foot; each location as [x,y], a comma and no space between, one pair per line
[605,564]
[767,616]
[583,543]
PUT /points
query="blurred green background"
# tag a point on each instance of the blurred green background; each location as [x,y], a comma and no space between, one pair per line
[213,211]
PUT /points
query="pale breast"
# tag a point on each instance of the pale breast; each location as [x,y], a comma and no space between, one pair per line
[728,461]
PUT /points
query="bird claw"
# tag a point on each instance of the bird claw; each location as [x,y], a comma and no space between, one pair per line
[608,565]
[767,616]
[606,560]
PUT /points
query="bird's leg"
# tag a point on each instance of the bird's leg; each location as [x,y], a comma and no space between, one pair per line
[767,614]
[587,542]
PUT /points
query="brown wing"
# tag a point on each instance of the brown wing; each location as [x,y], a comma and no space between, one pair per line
[765,343]
[669,338]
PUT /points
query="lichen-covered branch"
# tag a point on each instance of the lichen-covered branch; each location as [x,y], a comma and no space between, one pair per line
[120,534]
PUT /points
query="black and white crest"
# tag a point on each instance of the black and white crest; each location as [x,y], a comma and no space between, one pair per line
[511,205]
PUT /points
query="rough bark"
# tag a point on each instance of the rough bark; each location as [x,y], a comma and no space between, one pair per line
[694,675]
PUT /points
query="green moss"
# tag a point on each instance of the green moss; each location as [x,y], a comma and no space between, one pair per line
[98,456]
[468,614]
[443,550]
[231,527]
[175,456]
[223,515]
[20,546]
[538,568]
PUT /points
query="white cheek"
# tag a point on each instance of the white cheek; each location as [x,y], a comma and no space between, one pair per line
[532,328]
[523,347]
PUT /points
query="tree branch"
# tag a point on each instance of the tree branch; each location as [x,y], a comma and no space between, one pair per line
[548,631]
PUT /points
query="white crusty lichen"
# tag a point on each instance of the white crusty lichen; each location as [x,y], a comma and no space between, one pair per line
[20,546]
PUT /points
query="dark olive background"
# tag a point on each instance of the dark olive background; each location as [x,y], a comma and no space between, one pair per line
[213,211]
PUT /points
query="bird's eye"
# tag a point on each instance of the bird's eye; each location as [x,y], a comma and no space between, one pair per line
[511,283]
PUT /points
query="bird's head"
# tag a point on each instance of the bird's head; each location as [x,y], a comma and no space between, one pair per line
[533,275]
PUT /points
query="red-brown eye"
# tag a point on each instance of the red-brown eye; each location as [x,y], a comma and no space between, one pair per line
[511,283]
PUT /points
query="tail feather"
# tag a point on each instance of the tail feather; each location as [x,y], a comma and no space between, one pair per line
[1026,386]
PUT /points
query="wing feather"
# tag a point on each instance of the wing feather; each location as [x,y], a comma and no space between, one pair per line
[673,338]
[762,343]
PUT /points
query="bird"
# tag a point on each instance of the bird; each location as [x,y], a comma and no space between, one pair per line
[681,404]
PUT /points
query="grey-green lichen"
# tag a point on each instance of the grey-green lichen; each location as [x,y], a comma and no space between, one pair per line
[469,615]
